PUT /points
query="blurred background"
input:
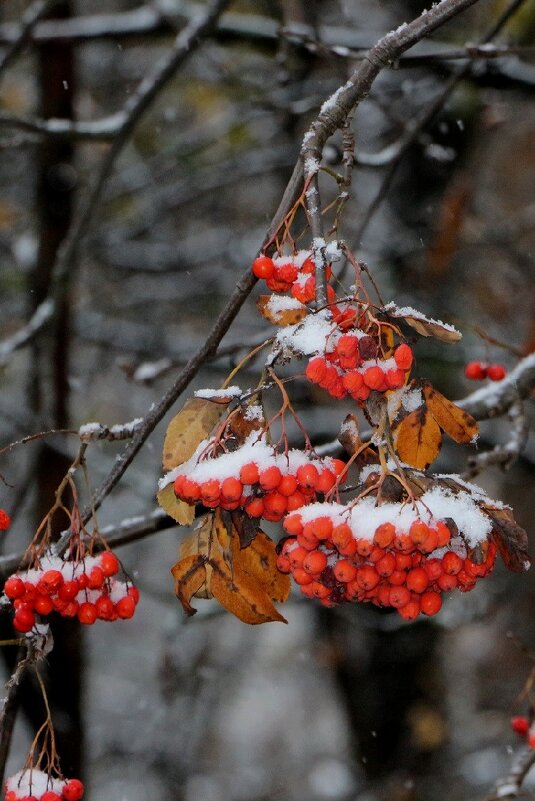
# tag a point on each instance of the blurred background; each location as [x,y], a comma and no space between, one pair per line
[341,704]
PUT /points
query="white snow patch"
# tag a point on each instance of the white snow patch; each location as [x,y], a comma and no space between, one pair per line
[407,311]
[218,394]
[33,782]
[308,337]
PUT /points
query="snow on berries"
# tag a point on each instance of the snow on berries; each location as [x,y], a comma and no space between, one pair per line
[398,555]
[35,785]
[86,589]
[255,476]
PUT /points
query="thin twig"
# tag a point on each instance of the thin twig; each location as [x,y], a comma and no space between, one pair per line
[35,12]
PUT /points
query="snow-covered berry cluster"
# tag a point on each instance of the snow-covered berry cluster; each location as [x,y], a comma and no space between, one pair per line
[254,477]
[393,555]
[35,785]
[86,589]
[351,354]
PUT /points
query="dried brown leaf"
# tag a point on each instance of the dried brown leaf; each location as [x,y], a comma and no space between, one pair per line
[190,578]
[283,316]
[510,539]
[193,423]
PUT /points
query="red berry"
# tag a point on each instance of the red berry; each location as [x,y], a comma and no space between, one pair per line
[83,581]
[301,577]
[43,605]
[50,582]
[73,790]
[316,369]
[430,543]
[190,490]
[403,561]
[323,528]
[373,377]
[287,485]
[210,491]
[399,596]
[520,725]
[347,345]
[451,563]
[274,506]
[431,603]
[68,590]
[367,577]
[326,481]
[395,378]
[433,568]
[87,613]
[443,534]
[109,564]
[249,473]
[287,272]
[531,739]
[384,535]
[315,562]
[308,475]
[133,592]
[495,372]
[255,507]
[293,524]
[446,582]
[403,357]
[419,531]
[341,536]
[296,500]
[475,371]
[24,619]
[14,587]
[320,590]
[417,580]
[296,556]
[125,607]
[231,489]
[96,578]
[344,571]
[5,520]
[104,607]
[70,608]
[410,611]
[364,547]
[386,565]
[50,796]
[353,381]
[263,267]
[283,563]
[270,478]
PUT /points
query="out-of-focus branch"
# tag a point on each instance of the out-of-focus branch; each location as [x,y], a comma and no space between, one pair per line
[94,130]
[511,785]
[149,88]
[35,12]
[41,316]
[503,455]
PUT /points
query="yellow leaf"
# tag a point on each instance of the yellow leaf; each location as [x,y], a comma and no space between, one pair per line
[180,511]
[193,423]
[418,439]
[274,311]
[259,560]
[457,423]
[425,326]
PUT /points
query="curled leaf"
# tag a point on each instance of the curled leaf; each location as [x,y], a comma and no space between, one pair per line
[190,577]
[193,423]
[423,325]
[457,423]
[510,539]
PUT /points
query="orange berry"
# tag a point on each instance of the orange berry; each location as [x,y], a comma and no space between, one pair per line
[249,473]
[397,578]
[419,531]
[395,379]
[495,372]
[383,595]
[270,478]
[376,554]
[364,547]
[255,507]
[316,369]
[403,561]
[384,535]
[403,357]
[43,605]
[347,345]
[386,565]
[451,563]
[87,613]
[430,542]
[443,534]
[398,597]
[433,568]
[231,489]
[191,490]
[287,485]
[326,481]
[296,500]
[431,603]
[210,491]
[519,724]
[344,571]
[320,590]
[323,528]
[353,381]
[367,577]
[417,580]
[274,505]
[341,535]
[283,563]
[373,377]
[307,475]
[109,564]
[410,611]
[296,557]
[308,539]
[403,543]
[301,577]
[446,582]
[293,524]
[315,562]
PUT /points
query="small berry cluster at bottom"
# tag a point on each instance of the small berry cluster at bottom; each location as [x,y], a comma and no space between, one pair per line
[35,785]
[84,589]
[522,726]
[407,570]
[478,371]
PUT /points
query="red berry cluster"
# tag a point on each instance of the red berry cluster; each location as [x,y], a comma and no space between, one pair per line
[269,486]
[522,726]
[5,520]
[354,368]
[404,569]
[84,589]
[478,371]
[34,785]
[353,362]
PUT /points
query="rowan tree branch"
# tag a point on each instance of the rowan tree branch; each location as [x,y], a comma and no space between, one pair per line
[35,12]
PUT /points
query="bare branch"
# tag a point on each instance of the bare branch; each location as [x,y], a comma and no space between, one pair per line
[504,455]
[94,130]
[41,316]
[35,12]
